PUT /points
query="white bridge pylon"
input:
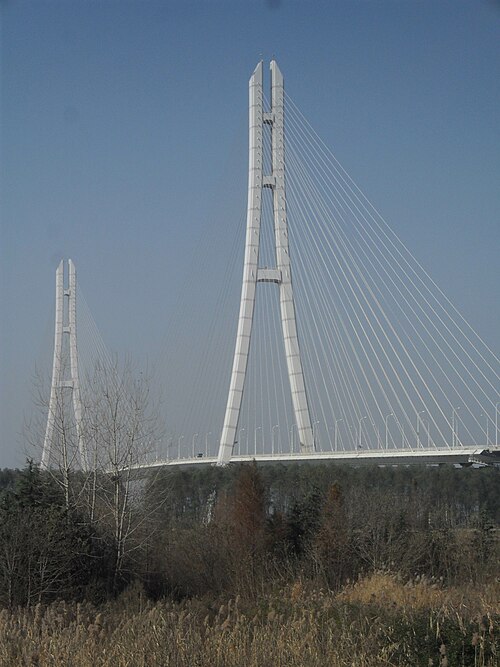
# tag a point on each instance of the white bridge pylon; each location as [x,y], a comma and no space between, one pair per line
[253,274]
[65,325]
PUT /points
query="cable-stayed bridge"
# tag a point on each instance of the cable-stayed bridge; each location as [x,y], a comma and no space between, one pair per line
[344,347]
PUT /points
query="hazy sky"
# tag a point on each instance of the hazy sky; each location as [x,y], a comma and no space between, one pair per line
[123,135]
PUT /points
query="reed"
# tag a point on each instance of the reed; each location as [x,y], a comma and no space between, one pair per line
[376,621]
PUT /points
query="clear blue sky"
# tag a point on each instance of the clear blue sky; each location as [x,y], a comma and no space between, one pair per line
[123,130]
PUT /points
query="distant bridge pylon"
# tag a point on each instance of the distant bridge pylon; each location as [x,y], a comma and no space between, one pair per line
[65,371]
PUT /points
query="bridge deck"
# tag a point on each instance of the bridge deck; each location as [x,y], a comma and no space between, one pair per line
[434,456]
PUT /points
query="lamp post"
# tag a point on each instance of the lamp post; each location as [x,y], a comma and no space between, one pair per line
[427,427]
[352,431]
[291,438]
[255,440]
[487,428]
[276,426]
[335,435]
[496,424]
[403,436]
[179,446]
[454,427]
[314,434]
[239,439]
[391,414]
[360,430]
[192,443]
[206,442]
[419,421]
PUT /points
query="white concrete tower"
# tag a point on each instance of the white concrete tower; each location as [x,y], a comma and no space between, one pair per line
[252,274]
[65,324]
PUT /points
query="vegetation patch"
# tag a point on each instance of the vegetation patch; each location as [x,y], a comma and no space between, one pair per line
[301,566]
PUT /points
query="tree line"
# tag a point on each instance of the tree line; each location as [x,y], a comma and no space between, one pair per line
[208,531]
[89,525]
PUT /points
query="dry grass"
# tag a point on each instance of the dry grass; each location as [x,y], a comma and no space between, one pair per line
[420,594]
[377,621]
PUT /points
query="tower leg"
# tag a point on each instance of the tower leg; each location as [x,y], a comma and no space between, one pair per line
[56,366]
[288,321]
[75,377]
[240,362]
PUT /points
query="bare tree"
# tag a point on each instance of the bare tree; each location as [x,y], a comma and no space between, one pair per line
[64,458]
[122,428]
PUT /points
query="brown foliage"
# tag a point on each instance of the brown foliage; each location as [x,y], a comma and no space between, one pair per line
[249,511]
[240,518]
[331,545]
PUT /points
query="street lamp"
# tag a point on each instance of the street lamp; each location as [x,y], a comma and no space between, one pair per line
[335,435]
[170,445]
[386,429]
[206,442]
[496,423]
[352,431]
[422,412]
[179,446]
[291,438]
[192,443]
[239,439]
[427,427]
[360,431]
[454,426]
[487,428]
[276,426]
[314,434]
[255,440]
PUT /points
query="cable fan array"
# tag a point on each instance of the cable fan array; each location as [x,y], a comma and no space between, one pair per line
[389,362]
